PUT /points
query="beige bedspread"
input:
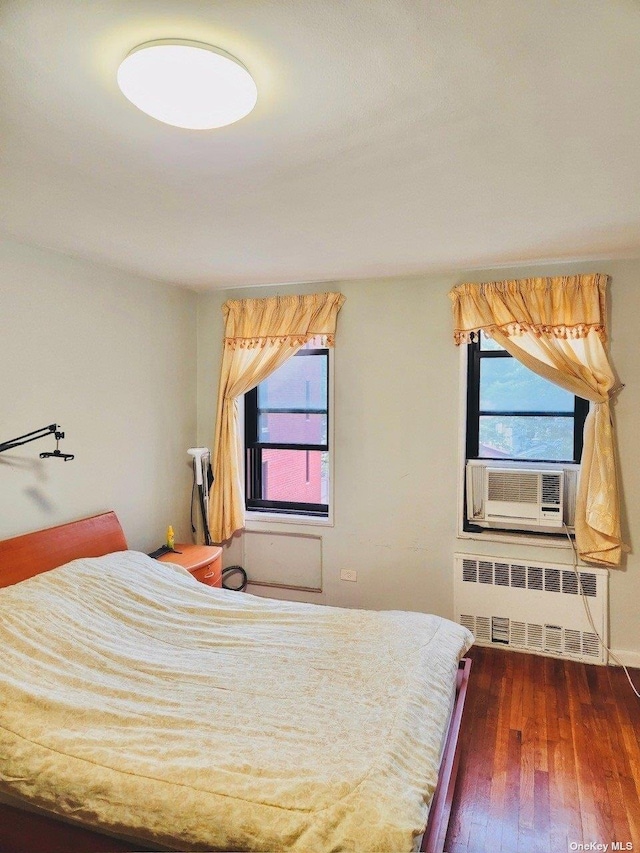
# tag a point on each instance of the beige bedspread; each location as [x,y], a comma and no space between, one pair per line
[135,698]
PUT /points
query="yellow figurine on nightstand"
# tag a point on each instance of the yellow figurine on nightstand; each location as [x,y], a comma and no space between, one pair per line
[171,540]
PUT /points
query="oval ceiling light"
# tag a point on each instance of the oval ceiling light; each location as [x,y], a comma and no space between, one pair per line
[187,84]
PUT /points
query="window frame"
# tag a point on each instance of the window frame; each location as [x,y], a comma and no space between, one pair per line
[253,450]
[475,354]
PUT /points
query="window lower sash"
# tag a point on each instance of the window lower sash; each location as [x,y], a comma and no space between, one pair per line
[312,510]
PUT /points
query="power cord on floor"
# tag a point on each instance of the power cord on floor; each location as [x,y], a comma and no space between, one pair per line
[585,602]
[239,585]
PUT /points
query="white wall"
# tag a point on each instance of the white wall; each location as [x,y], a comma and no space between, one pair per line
[396,437]
[111,358]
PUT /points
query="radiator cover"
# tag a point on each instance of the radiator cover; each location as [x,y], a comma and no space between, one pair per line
[532,606]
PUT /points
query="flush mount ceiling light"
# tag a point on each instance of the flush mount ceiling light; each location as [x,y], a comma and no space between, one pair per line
[187,84]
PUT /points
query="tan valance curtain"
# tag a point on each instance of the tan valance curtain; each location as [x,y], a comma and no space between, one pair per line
[557,328]
[260,335]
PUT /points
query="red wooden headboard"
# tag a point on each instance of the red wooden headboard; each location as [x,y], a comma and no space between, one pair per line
[28,555]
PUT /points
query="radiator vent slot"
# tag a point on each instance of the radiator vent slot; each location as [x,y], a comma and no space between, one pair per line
[565,642]
[485,572]
[569,583]
[502,574]
[552,580]
[553,638]
[482,628]
[519,577]
[518,633]
[590,644]
[572,641]
[499,629]
[468,622]
[532,606]
[470,571]
[534,577]
[588,583]
[528,577]
[534,636]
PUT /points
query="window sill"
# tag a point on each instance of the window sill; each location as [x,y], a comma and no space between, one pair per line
[265,520]
[507,537]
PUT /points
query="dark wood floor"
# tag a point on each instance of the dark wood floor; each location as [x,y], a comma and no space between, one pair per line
[550,757]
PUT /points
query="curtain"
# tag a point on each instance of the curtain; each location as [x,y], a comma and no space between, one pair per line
[260,335]
[557,328]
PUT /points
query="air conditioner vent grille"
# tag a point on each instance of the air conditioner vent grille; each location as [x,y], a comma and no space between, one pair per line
[512,486]
[551,489]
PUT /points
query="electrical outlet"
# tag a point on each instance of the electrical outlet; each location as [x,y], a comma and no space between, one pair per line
[348,575]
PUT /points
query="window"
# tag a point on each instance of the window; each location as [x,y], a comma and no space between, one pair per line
[286,437]
[512,413]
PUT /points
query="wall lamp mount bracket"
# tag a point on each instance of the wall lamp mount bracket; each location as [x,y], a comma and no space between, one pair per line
[34,436]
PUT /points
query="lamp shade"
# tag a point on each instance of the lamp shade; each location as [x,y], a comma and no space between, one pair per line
[187,84]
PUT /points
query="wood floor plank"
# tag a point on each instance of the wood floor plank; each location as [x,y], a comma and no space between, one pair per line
[610,752]
[542,809]
[594,801]
[540,719]
[550,757]
[565,804]
[512,794]
[528,728]
[495,826]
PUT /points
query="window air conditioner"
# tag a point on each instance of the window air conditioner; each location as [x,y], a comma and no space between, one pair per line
[521,496]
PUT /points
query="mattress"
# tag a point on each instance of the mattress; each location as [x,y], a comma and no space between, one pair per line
[140,702]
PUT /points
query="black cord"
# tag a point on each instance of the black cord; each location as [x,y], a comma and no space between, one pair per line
[193,486]
[232,570]
[205,523]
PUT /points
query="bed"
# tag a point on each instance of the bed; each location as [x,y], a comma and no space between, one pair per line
[142,710]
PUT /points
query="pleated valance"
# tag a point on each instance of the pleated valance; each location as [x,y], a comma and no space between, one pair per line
[281,320]
[563,307]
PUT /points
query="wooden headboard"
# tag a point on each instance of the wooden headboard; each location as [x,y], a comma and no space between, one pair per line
[25,556]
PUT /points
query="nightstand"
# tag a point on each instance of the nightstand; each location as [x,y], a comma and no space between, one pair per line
[203,561]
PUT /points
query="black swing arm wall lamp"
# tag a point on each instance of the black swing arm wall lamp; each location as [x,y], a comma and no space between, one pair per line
[34,436]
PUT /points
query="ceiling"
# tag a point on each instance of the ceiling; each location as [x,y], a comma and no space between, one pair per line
[390,137]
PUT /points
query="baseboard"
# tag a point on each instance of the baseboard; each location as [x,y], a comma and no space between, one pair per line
[625,656]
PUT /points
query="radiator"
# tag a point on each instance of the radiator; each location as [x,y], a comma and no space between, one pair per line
[534,607]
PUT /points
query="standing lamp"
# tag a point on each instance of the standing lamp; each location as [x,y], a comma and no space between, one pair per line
[202,479]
